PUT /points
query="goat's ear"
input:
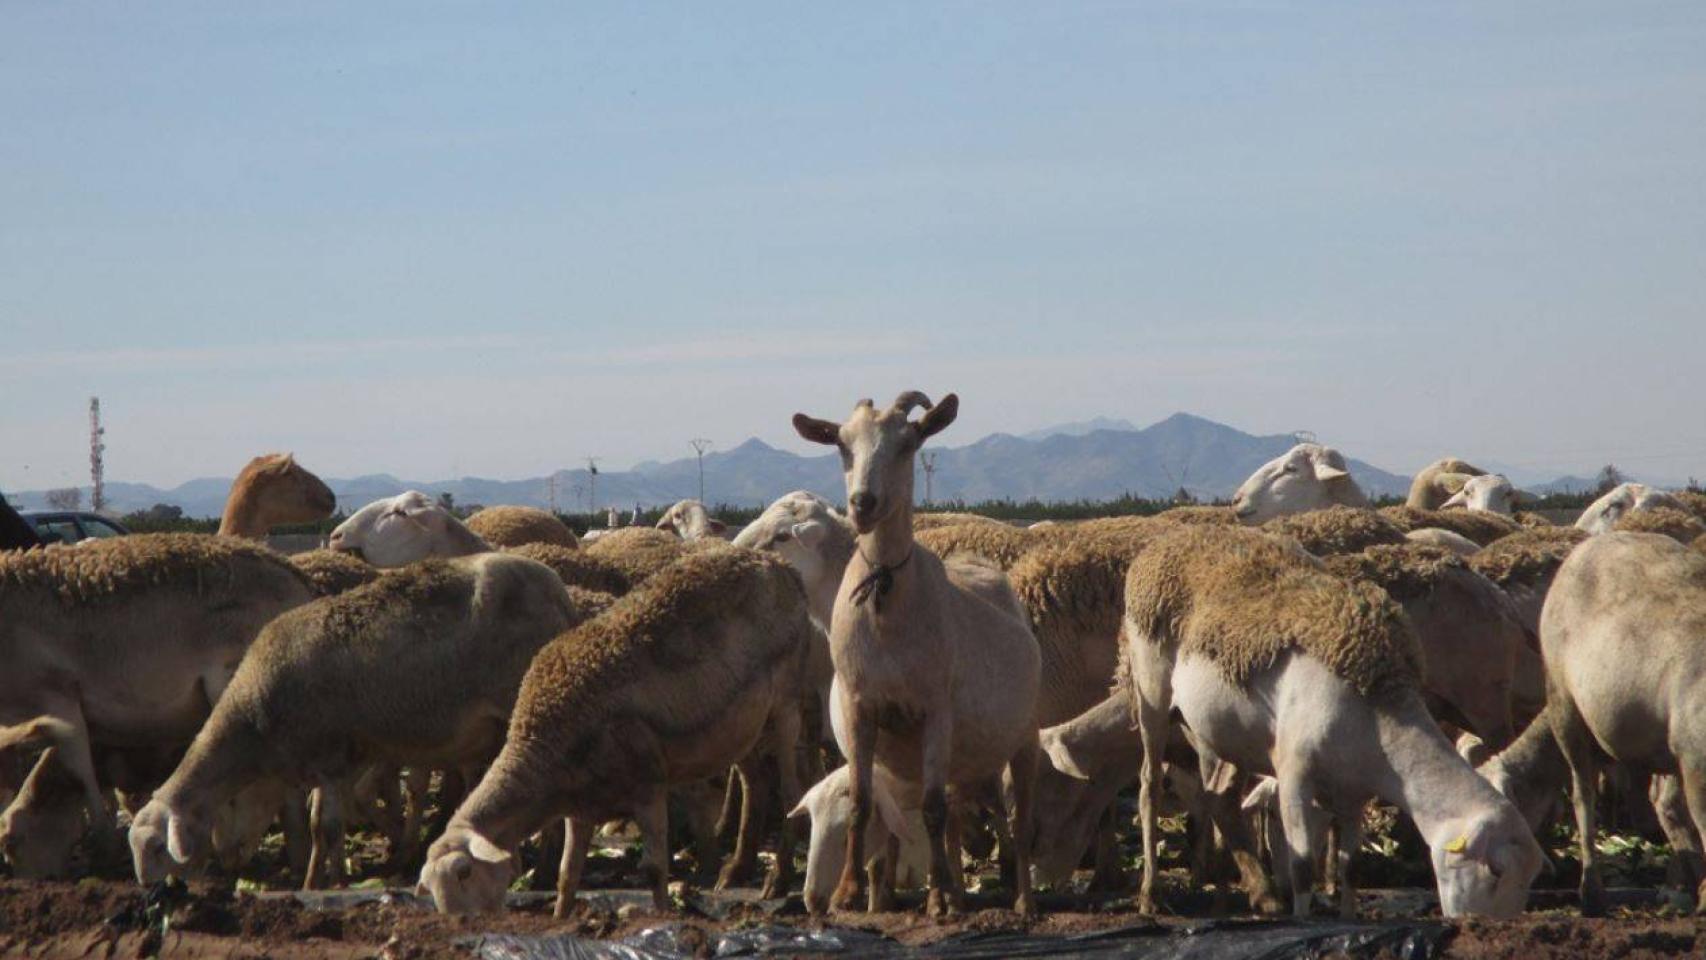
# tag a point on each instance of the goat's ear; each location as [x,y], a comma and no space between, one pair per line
[817,431]
[937,418]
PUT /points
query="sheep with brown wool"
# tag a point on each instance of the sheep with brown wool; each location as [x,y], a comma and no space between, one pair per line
[999,543]
[948,518]
[1218,516]
[417,669]
[577,568]
[1679,525]
[514,526]
[1481,526]
[1439,481]
[126,642]
[333,572]
[638,552]
[1523,565]
[1337,529]
[698,668]
[1281,668]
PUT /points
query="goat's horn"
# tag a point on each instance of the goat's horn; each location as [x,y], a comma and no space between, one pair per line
[912,398]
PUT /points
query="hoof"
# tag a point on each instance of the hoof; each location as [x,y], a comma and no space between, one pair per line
[845,897]
[733,875]
[1146,905]
[774,887]
[1593,901]
[1026,907]
[1268,905]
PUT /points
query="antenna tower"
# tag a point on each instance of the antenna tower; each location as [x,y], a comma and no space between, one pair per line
[928,458]
[97,447]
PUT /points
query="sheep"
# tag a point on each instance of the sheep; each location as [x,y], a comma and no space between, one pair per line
[681,678]
[1445,540]
[1470,633]
[997,542]
[1533,521]
[1203,514]
[932,681]
[1625,498]
[929,521]
[333,572]
[1477,525]
[399,530]
[518,526]
[895,836]
[1309,476]
[1523,564]
[689,520]
[129,641]
[577,568]
[1694,500]
[1490,492]
[1439,481]
[1621,636]
[638,552]
[1281,668]
[1679,525]
[1336,529]
[271,490]
[449,638]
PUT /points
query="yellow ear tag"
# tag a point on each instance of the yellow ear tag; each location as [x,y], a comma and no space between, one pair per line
[1458,845]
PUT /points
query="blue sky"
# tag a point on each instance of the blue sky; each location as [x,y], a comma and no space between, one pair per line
[435,239]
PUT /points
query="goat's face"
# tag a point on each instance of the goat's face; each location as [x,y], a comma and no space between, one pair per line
[1487,869]
[466,873]
[399,530]
[877,447]
[290,493]
[1604,513]
[1306,477]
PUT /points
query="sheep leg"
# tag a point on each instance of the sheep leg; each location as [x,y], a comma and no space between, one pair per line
[1303,826]
[552,845]
[881,872]
[1694,791]
[1108,877]
[1221,782]
[416,782]
[1576,741]
[937,742]
[653,820]
[744,860]
[320,806]
[574,863]
[1023,771]
[298,836]
[1152,727]
[726,820]
[1349,830]
[1687,869]
[861,744]
[785,747]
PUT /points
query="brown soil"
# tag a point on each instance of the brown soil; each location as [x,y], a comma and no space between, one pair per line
[102,919]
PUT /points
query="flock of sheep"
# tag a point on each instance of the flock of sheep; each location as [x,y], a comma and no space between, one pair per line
[1274,666]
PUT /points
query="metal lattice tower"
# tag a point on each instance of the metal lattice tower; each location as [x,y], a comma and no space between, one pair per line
[97,447]
[700,445]
[928,458]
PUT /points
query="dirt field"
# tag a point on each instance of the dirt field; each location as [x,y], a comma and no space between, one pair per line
[99,918]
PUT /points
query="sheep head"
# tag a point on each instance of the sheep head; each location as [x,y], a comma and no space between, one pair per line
[1490,492]
[1604,513]
[466,873]
[400,530]
[877,448]
[1309,476]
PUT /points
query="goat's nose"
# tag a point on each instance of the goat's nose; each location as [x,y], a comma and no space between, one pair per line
[862,502]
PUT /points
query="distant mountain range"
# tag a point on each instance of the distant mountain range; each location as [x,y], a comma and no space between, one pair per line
[1097,459]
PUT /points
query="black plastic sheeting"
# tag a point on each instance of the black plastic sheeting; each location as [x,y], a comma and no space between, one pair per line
[1228,940]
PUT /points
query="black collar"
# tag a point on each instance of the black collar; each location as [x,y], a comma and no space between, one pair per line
[879,581]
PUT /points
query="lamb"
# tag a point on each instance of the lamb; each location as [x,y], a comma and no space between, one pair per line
[1309,476]
[1621,636]
[128,642]
[1625,498]
[933,682]
[399,530]
[683,677]
[1679,525]
[332,572]
[997,542]
[1478,525]
[271,490]
[577,568]
[689,520]
[518,526]
[1440,481]
[1490,492]
[1337,529]
[451,638]
[1281,668]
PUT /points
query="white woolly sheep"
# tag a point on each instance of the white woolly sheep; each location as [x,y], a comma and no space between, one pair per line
[689,520]
[1625,498]
[1491,492]
[399,530]
[1309,476]
[1439,481]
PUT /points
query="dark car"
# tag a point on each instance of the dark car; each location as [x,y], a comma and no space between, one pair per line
[70,526]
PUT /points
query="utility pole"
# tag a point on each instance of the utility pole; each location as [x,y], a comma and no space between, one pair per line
[928,458]
[700,445]
[592,483]
[551,490]
[97,467]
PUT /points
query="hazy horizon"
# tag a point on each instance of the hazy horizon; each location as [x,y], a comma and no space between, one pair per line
[432,240]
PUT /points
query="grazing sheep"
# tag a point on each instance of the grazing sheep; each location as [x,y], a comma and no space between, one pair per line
[930,521]
[1478,525]
[999,543]
[1281,668]
[1523,564]
[332,572]
[1625,498]
[1470,633]
[504,527]
[637,552]
[399,530]
[1679,525]
[418,669]
[1490,492]
[1309,476]
[689,520]
[1336,530]
[1440,481]
[680,679]
[128,642]
[932,681]
[895,836]
[1622,635]
[272,490]
[577,568]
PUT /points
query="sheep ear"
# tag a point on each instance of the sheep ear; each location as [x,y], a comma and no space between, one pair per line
[665,524]
[809,533]
[485,850]
[937,418]
[1061,757]
[1458,499]
[817,431]
[33,733]
[1326,471]
[1523,496]
[1261,794]
[180,843]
